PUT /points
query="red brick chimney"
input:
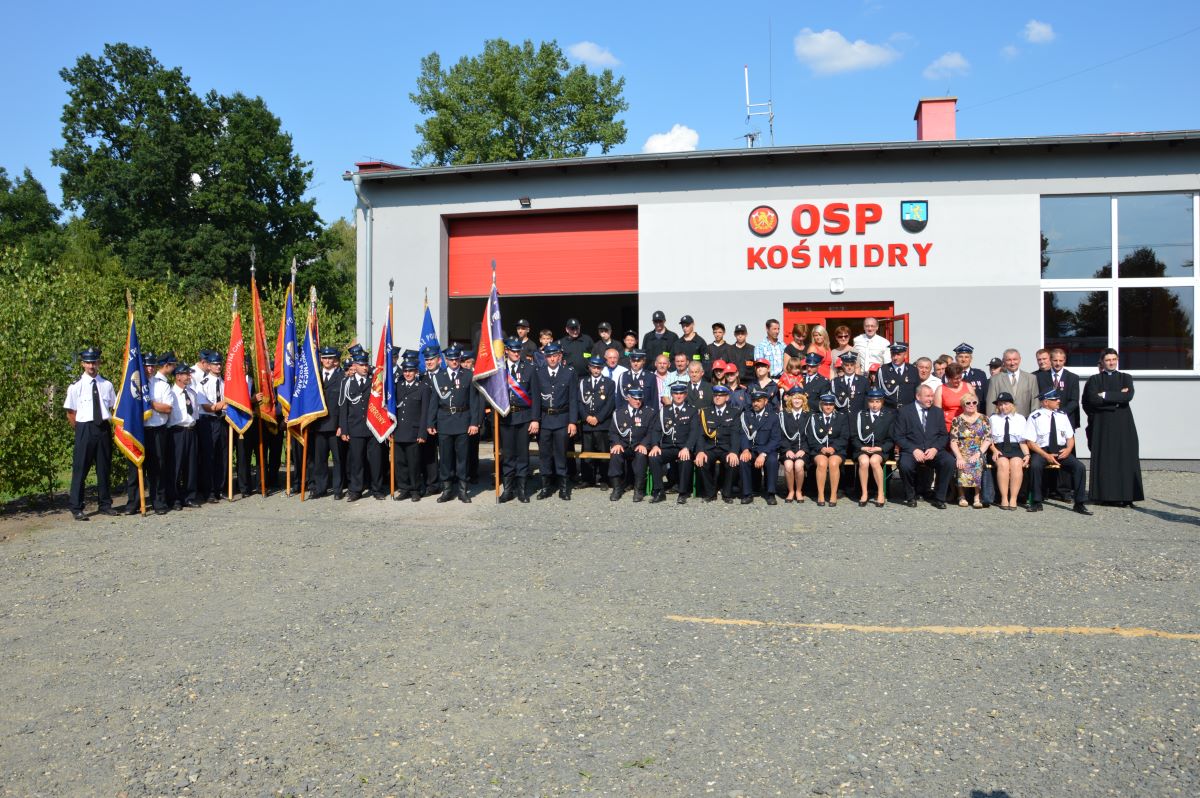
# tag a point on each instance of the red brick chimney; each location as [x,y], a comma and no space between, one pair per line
[935,118]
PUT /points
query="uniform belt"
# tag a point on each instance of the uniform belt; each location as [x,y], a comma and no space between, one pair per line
[455,410]
[555,411]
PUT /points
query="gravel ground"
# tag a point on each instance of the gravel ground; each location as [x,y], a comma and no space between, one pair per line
[270,647]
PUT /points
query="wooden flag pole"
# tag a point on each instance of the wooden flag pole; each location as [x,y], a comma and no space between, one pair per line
[392,461]
[303,464]
[287,453]
[496,450]
[262,470]
[230,453]
[142,488]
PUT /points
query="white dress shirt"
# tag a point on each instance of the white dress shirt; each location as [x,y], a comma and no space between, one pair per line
[79,398]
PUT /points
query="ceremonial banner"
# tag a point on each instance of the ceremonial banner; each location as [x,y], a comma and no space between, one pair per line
[491,367]
[428,337]
[284,375]
[133,407]
[264,381]
[381,407]
[238,408]
[308,395]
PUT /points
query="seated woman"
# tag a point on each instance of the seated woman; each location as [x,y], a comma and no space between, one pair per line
[970,439]
[825,437]
[871,440]
[1011,453]
[819,343]
[948,396]
[792,450]
[762,381]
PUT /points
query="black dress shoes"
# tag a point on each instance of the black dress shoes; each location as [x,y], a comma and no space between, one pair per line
[910,502]
[771,500]
[80,515]
[1036,507]
[938,505]
[1081,508]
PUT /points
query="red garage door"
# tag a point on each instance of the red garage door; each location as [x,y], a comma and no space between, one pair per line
[560,253]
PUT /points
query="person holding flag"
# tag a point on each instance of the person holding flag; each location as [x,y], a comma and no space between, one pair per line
[130,414]
[381,406]
[514,427]
[364,467]
[265,409]
[308,395]
[491,371]
[160,446]
[89,403]
[324,431]
[239,413]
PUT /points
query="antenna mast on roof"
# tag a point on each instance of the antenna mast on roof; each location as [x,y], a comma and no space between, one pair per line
[769,113]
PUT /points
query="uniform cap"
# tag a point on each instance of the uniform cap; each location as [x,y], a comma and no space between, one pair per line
[596,360]
[512,344]
[635,393]
[573,324]
[720,390]
[875,393]
[758,393]
[899,346]
[1004,396]
[409,365]
[166,358]
[90,355]
[848,357]
[359,357]
[149,359]
[958,350]
[739,328]
[552,348]
[181,368]
[329,351]
[658,316]
[828,399]
[215,358]
[995,363]
[679,387]
[354,349]
[794,389]
[204,354]
[411,354]
[812,359]
[429,352]
[523,323]
[637,354]
[453,352]
[604,327]
[687,320]
[628,333]
[1050,394]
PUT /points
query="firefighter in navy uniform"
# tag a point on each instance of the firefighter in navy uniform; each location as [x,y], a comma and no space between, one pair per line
[976,378]
[638,377]
[632,434]
[850,388]
[454,415]
[898,380]
[814,384]
[597,400]
[555,406]
[412,407]
[323,432]
[720,430]
[429,449]
[760,445]
[514,428]
[363,461]
[678,442]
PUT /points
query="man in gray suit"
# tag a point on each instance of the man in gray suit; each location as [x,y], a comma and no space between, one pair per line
[1010,379]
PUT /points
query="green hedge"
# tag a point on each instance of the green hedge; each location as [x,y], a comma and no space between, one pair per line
[51,311]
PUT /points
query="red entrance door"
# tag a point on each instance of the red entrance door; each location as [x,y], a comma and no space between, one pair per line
[831,315]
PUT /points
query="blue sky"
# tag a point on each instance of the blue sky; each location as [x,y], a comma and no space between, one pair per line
[339,75]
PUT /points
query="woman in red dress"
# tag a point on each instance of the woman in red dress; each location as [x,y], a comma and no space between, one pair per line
[819,343]
[949,396]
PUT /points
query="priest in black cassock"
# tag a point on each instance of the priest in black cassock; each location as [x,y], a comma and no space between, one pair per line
[1112,436]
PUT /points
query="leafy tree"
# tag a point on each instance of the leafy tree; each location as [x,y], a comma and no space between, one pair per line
[27,216]
[515,103]
[179,186]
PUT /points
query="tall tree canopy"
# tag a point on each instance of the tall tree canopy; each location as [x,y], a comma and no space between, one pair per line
[27,216]
[515,103]
[180,186]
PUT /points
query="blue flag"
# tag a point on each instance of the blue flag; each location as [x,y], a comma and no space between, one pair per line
[133,404]
[308,395]
[428,337]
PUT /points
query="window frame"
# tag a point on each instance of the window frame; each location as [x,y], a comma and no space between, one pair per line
[1112,284]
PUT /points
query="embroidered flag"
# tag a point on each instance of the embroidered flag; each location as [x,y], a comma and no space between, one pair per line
[308,396]
[284,374]
[428,337]
[491,367]
[381,407]
[264,381]
[133,408]
[238,407]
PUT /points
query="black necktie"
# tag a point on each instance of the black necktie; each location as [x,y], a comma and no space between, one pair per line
[187,402]
[1006,438]
[218,390]
[922,419]
[97,415]
[1052,444]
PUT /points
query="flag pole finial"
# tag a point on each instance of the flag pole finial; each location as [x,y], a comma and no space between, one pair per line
[391,285]
[253,257]
[128,300]
[235,298]
[293,270]
[312,295]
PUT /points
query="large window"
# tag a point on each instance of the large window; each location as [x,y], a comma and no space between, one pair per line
[1145,307]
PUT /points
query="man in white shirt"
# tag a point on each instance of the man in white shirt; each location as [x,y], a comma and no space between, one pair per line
[870,347]
[1051,440]
[89,404]
[184,475]
[210,426]
[159,449]
[612,366]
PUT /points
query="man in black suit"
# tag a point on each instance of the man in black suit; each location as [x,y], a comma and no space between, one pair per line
[922,437]
[849,387]
[412,405]
[363,457]
[815,386]
[323,433]
[898,380]
[555,407]
[514,428]
[1064,382]
[454,415]
[597,400]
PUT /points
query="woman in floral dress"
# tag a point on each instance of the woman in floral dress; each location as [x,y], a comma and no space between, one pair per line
[970,438]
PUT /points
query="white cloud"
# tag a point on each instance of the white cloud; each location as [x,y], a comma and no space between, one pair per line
[947,65]
[680,138]
[1038,32]
[829,52]
[1010,51]
[593,55]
